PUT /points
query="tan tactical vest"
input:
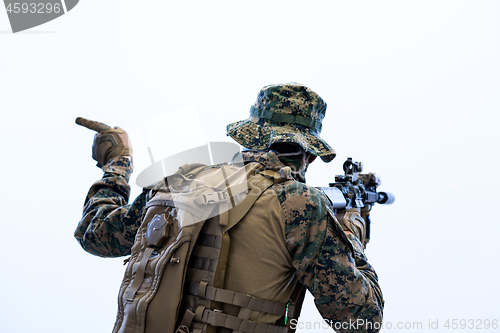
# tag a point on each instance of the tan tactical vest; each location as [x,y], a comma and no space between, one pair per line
[200,263]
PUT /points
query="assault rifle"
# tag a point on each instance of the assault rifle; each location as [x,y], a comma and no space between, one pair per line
[356,190]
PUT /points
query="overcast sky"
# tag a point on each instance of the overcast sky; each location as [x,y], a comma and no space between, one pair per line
[413,92]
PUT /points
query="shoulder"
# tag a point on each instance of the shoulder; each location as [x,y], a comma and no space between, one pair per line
[305,208]
[301,194]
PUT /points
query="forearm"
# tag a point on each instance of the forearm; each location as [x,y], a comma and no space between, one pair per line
[108,224]
[346,291]
[367,270]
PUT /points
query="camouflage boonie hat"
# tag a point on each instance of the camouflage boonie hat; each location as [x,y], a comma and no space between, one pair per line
[287,112]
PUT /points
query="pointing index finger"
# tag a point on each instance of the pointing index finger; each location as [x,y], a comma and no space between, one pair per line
[93,125]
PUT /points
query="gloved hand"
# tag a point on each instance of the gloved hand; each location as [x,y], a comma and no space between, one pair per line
[108,142]
[351,221]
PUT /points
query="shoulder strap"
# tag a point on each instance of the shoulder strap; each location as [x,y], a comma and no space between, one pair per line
[295,305]
[258,184]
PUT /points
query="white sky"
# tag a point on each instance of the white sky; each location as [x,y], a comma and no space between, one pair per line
[413,91]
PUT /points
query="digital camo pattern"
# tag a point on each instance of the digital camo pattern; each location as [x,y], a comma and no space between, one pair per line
[272,158]
[293,99]
[332,267]
[284,113]
[109,225]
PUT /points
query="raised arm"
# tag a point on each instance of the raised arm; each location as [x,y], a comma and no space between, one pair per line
[109,224]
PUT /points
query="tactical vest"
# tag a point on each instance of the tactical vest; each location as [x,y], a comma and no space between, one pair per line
[174,281]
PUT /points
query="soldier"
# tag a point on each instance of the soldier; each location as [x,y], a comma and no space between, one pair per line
[289,237]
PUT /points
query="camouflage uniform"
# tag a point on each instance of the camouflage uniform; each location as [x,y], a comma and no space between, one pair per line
[332,267]
[329,262]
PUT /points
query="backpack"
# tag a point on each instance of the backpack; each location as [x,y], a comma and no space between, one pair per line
[175,275]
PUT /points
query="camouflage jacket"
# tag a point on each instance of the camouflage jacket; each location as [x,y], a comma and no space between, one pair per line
[330,264]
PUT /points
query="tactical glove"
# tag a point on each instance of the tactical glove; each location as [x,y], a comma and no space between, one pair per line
[351,221]
[108,142]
